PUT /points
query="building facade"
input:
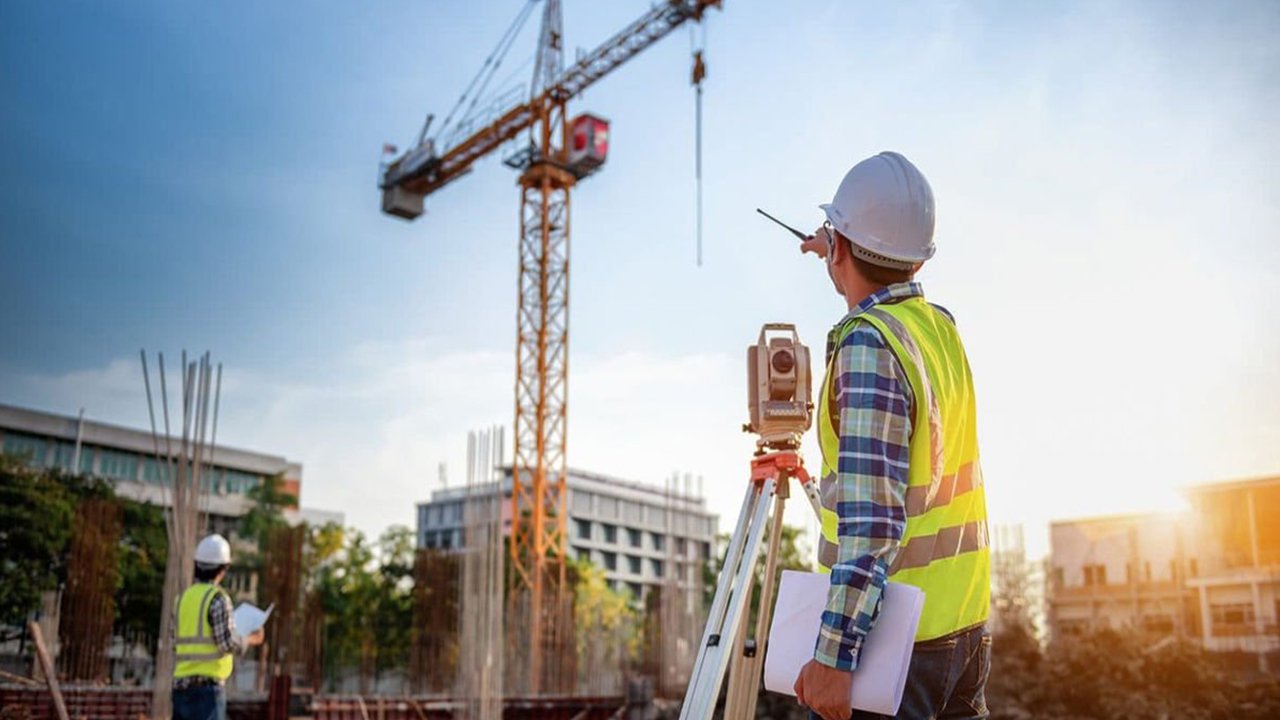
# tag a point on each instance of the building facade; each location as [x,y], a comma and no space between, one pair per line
[639,535]
[127,458]
[1211,575]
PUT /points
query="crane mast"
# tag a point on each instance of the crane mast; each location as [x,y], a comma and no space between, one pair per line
[549,171]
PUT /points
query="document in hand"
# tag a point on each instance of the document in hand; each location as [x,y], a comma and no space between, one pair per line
[882,670]
[250,617]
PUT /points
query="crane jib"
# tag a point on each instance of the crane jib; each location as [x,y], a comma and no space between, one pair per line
[424,178]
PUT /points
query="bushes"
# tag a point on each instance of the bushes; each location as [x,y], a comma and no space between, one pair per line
[1116,675]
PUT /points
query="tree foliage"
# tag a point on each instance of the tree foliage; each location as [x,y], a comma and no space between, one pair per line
[365,592]
[36,510]
[144,550]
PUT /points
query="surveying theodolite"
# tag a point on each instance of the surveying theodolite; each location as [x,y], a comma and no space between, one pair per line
[781,406]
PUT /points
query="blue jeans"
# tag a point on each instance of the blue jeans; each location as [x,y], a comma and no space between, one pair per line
[947,680]
[202,702]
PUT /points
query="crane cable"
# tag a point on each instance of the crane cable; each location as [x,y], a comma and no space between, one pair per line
[490,66]
[699,72]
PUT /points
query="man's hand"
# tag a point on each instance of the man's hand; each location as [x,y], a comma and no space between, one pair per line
[825,690]
[254,638]
[819,243]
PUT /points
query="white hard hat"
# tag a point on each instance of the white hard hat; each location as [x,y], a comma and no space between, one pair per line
[885,206]
[213,550]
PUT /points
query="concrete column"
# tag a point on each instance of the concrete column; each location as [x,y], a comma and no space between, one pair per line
[1206,618]
[1253,531]
[1257,622]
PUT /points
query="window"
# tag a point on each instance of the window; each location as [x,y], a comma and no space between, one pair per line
[633,537]
[1158,624]
[656,567]
[429,539]
[636,589]
[86,460]
[682,546]
[1232,619]
[584,555]
[608,507]
[633,564]
[659,541]
[610,533]
[153,472]
[1095,575]
[704,550]
[62,455]
[610,561]
[583,529]
[581,502]
[435,514]
[631,512]
[118,465]
[29,447]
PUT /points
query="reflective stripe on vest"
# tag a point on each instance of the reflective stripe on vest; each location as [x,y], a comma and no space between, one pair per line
[197,651]
[944,549]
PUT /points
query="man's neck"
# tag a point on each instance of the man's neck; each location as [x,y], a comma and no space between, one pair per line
[861,291]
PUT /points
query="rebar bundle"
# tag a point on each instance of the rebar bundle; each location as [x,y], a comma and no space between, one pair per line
[480,667]
[281,576]
[433,643]
[180,463]
[88,603]
[680,604]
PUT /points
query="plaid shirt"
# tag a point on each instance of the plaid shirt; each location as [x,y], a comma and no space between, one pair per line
[874,409]
[225,636]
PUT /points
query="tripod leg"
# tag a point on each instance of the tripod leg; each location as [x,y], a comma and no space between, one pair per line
[720,637]
[724,583]
[739,664]
[744,693]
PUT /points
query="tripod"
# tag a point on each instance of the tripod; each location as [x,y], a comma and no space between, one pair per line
[725,636]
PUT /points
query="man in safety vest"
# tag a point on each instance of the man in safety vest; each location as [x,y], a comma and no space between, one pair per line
[205,637]
[902,491]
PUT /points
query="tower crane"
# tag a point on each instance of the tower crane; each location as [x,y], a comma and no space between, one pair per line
[559,154]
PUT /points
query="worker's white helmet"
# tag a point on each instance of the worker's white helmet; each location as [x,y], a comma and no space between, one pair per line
[885,206]
[213,550]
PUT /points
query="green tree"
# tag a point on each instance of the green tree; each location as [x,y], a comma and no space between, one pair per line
[36,510]
[265,515]
[267,512]
[790,557]
[144,549]
[394,604]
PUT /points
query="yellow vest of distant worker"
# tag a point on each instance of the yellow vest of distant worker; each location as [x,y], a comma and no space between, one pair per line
[197,652]
[944,550]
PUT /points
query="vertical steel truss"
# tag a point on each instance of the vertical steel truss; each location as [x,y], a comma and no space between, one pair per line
[538,534]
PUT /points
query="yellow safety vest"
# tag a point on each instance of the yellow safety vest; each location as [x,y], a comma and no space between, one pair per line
[944,550]
[197,652]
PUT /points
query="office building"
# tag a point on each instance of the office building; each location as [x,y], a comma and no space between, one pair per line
[638,534]
[1211,574]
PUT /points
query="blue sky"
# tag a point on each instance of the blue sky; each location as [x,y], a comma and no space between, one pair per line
[202,176]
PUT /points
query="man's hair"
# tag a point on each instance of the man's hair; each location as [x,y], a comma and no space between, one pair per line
[876,274]
[208,573]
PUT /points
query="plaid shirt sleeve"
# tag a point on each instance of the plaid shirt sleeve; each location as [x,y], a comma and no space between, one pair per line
[874,405]
[224,625]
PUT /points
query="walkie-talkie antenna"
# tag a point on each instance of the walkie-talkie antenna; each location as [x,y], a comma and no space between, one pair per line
[794,231]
